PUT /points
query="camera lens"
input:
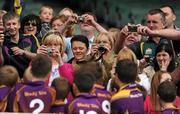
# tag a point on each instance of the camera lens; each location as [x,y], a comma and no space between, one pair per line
[102,49]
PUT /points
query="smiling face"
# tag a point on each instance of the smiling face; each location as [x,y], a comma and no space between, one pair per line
[79,50]
[12,26]
[30,27]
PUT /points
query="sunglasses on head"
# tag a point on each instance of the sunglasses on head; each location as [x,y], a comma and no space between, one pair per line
[28,24]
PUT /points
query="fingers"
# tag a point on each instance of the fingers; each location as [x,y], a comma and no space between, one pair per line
[42,50]
[17,51]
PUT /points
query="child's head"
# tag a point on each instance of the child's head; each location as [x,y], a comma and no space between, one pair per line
[41,66]
[83,81]
[62,87]
[8,76]
[46,14]
[126,71]
[167,91]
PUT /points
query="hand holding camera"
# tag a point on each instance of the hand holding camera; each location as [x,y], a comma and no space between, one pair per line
[133,27]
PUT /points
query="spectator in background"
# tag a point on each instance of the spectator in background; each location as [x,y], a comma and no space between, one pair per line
[89,27]
[45,14]
[102,51]
[64,25]
[114,33]
[167,94]
[155,19]
[2,30]
[126,38]
[53,46]
[2,12]
[80,48]
[30,27]
[170,24]
[66,12]
[17,50]
[164,60]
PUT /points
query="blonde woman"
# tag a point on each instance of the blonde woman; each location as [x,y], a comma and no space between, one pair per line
[53,46]
[102,51]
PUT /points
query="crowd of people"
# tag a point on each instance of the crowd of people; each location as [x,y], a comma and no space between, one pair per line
[49,67]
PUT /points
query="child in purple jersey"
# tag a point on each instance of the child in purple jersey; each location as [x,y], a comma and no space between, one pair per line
[129,99]
[62,87]
[84,102]
[167,94]
[34,96]
[99,90]
[8,78]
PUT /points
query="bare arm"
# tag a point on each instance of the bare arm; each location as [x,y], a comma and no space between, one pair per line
[90,20]
[119,44]
[171,34]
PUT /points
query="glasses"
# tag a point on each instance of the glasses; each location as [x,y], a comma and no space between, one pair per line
[28,24]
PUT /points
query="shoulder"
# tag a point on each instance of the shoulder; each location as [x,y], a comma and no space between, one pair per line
[121,95]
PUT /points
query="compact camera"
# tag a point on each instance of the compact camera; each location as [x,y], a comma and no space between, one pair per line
[132,28]
[80,19]
[49,51]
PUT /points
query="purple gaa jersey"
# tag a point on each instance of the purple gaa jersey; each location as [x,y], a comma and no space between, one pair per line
[104,98]
[4,92]
[171,111]
[128,100]
[34,97]
[85,104]
[58,107]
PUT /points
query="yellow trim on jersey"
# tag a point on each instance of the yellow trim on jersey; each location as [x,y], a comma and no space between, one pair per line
[121,94]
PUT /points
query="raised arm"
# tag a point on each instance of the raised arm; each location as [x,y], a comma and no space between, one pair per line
[171,34]
[90,20]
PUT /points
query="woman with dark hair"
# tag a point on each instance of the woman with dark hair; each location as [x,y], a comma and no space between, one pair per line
[31,25]
[164,59]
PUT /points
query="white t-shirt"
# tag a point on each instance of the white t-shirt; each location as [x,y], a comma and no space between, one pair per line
[54,74]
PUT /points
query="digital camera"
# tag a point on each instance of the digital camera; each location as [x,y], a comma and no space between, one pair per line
[49,51]
[132,28]
[101,48]
[80,19]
